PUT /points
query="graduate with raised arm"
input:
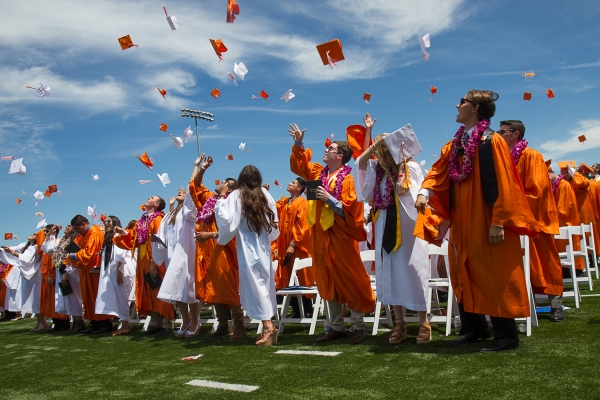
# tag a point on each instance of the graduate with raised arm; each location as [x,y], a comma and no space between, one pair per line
[217,272]
[337,225]
[392,181]
[475,186]
[138,239]
[49,283]
[177,233]
[11,278]
[294,242]
[88,261]
[546,271]
[249,214]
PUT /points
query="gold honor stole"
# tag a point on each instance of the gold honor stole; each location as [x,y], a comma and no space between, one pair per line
[327,214]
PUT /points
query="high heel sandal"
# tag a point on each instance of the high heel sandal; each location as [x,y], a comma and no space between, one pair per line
[399,334]
[182,331]
[193,333]
[269,340]
[424,336]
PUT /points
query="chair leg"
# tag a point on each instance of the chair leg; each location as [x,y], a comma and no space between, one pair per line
[284,310]
[449,308]
[376,318]
[315,316]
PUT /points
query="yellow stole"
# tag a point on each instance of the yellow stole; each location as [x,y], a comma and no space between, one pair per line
[327,214]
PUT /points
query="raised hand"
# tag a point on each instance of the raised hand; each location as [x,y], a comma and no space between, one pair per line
[172,200]
[199,160]
[296,133]
[368,121]
[207,162]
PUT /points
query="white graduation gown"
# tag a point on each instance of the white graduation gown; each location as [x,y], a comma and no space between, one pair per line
[112,298]
[12,300]
[401,276]
[31,280]
[180,254]
[257,275]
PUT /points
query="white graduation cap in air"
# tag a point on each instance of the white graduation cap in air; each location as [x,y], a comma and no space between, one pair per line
[164,179]
[242,146]
[39,196]
[95,177]
[41,224]
[177,141]
[17,167]
[173,23]
[287,96]
[425,43]
[91,212]
[403,139]
[187,133]
[240,70]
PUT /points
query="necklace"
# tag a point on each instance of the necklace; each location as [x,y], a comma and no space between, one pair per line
[337,189]
[518,149]
[469,147]
[382,202]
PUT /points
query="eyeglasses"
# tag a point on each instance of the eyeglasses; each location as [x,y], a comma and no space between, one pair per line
[330,149]
[46,231]
[463,101]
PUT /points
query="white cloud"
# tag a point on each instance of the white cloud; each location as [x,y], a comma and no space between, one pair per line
[213,127]
[558,148]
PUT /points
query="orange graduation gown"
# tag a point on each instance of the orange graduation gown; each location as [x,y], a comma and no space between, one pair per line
[4,270]
[146,299]
[337,267]
[47,305]
[568,215]
[88,258]
[293,227]
[217,276]
[546,271]
[486,279]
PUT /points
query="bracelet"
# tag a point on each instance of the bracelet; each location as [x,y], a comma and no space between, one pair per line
[215,235]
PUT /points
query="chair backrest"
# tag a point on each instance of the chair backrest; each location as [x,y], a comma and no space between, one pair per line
[591,242]
[564,233]
[439,250]
[577,230]
[367,255]
[299,263]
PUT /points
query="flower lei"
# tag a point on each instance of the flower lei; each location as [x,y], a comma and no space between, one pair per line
[3,267]
[382,201]
[144,225]
[469,151]
[337,189]
[206,214]
[518,149]
[60,255]
[556,183]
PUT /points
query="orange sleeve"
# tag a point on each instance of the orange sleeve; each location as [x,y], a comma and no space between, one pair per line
[353,220]
[126,242]
[438,181]
[88,257]
[300,164]
[280,204]
[566,204]
[579,183]
[511,209]
[301,230]
[200,194]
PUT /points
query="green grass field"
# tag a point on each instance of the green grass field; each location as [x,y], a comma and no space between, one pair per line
[559,361]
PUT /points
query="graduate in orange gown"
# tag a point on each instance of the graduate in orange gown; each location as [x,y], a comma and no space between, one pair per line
[217,276]
[294,242]
[146,299]
[4,270]
[47,303]
[87,259]
[475,186]
[593,200]
[546,271]
[336,219]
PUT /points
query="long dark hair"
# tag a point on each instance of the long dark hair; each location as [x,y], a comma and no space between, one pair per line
[108,239]
[255,207]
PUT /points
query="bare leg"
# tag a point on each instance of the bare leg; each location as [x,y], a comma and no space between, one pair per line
[185,314]
[194,315]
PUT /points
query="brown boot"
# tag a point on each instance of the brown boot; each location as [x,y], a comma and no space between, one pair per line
[238,320]
[223,317]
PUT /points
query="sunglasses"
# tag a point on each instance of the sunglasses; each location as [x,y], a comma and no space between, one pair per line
[503,131]
[463,101]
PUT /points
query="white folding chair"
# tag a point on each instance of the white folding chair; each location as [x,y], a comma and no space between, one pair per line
[287,294]
[532,320]
[582,253]
[434,284]
[591,247]
[368,257]
[567,260]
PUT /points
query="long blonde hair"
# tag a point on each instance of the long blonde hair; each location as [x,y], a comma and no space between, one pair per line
[386,160]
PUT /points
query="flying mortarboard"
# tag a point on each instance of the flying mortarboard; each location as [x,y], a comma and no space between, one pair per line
[331,52]
[163,127]
[53,188]
[367,97]
[177,141]
[287,96]
[173,23]
[425,42]
[215,93]
[19,200]
[233,9]
[143,182]
[219,48]
[164,179]
[217,182]
[526,96]
[242,146]
[17,167]
[240,70]
[8,236]
[41,224]
[230,75]
[38,196]
[42,90]
[147,161]
[581,138]
[95,177]
[230,157]
[6,158]
[261,95]
[162,92]
[127,43]
[550,93]
[567,164]
[187,133]
[433,90]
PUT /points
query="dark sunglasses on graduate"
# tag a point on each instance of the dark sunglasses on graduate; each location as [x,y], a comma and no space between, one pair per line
[463,101]
[503,131]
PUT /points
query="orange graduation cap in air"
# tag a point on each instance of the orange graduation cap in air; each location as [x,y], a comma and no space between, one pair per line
[217,182]
[103,216]
[162,92]
[19,200]
[367,97]
[585,169]
[47,193]
[143,207]
[219,48]
[8,236]
[163,127]
[526,96]
[581,138]
[233,9]
[126,42]
[230,157]
[550,93]
[355,136]
[433,91]
[147,161]
[331,52]
[327,142]
[261,95]
[53,188]
[215,93]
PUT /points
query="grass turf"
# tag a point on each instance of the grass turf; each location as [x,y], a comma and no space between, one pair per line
[560,360]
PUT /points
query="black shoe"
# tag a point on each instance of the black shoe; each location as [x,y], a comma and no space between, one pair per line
[164,331]
[504,343]
[358,336]
[472,337]
[150,331]
[557,315]
[331,335]
[103,329]
[88,330]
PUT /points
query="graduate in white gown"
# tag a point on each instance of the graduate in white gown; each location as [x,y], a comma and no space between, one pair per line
[12,301]
[70,304]
[176,231]
[116,278]
[401,259]
[249,214]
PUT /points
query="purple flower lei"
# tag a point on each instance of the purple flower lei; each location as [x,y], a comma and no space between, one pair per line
[556,183]
[337,189]
[518,149]
[144,225]
[59,255]
[469,151]
[3,268]
[382,202]
[206,214]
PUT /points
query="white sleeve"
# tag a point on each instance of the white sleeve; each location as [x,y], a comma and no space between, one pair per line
[159,252]
[408,200]
[29,263]
[118,254]
[275,231]
[49,245]
[228,214]
[190,212]
[364,181]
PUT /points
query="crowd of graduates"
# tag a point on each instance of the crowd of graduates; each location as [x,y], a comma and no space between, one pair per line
[234,247]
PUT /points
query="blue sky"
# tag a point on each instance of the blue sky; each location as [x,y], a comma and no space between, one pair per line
[103,108]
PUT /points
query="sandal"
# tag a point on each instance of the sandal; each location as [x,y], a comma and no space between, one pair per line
[399,334]
[267,338]
[424,336]
[120,331]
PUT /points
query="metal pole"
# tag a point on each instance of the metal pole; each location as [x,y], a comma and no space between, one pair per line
[197,138]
